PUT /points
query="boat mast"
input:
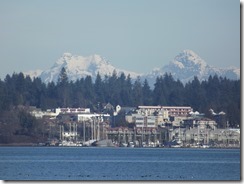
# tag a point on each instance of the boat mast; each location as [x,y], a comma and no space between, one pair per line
[84,130]
[92,128]
[198,134]
[60,129]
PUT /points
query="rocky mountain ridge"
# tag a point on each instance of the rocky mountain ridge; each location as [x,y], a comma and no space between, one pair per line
[184,67]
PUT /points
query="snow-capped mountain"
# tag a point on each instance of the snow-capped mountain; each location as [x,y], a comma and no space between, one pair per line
[78,67]
[188,64]
[184,67]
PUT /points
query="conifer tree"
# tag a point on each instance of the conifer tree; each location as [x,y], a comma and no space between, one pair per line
[137,93]
[63,91]
[98,88]
[147,93]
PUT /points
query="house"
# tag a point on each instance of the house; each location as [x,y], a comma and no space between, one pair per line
[108,107]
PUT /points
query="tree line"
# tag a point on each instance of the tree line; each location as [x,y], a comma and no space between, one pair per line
[217,93]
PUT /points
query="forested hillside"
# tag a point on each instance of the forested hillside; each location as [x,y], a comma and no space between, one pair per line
[219,94]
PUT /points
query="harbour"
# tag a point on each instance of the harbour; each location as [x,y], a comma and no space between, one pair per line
[119,164]
[144,126]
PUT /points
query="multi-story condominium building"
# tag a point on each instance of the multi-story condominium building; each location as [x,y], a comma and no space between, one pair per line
[177,110]
[165,110]
[144,121]
[152,116]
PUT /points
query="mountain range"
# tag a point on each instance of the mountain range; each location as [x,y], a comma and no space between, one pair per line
[184,67]
[188,64]
[78,67]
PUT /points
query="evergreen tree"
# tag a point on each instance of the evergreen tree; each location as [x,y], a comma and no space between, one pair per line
[51,95]
[124,93]
[177,94]
[218,93]
[26,121]
[128,93]
[158,92]
[38,93]
[63,90]
[137,93]
[147,93]
[89,92]
[98,88]
[114,91]
[195,94]
[78,93]
[168,85]
[63,77]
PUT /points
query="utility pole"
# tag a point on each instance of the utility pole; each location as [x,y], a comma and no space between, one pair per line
[75,131]
[84,130]
[198,134]
[92,129]
[70,135]
[98,131]
[134,136]
[60,135]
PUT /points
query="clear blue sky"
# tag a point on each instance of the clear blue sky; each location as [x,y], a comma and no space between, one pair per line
[136,35]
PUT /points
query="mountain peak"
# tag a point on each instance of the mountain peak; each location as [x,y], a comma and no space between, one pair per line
[188,57]
[96,57]
[189,52]
[80,66]
[188,61]
[67,54]
[188,64]
[63,59]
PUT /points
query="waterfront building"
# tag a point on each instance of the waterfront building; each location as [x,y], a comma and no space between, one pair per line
[130,137]
[206,136]
[154,116]
[72,110]
[142,121]
[226,137]
[53,113]
[166,110]
[191,122]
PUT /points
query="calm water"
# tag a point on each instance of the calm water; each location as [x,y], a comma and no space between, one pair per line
[70,163]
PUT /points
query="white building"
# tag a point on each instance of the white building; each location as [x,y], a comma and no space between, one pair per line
[150,121]
[144,121]
[203,135]
[139,120]
[72,110]
[177,110]
[152,116]
[90,117]
[165,111]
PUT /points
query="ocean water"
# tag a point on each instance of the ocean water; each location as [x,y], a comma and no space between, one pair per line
[92,163]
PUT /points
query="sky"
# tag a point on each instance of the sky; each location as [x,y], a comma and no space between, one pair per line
[136,35]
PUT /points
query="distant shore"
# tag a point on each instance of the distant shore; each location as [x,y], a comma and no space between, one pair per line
[36,145]
[17,144]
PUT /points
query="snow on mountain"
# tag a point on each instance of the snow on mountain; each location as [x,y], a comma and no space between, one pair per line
[33,73]
[184,67]
[188,64]
[78,67]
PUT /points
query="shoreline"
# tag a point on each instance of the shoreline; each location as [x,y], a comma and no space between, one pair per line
[35,145]
[16,144]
